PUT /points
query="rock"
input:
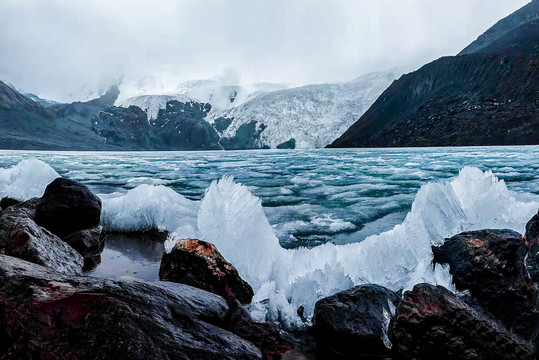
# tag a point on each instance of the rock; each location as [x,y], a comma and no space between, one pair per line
[265,336]
[12,215]
[489,263]
[531,259]
[68,206]
[46,315]
[89,243]
[198,263]
[355,321]
[21,237]
[432,323]
[8,201]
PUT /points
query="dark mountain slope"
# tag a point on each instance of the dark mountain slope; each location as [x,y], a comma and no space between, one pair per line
[502,27]
[26,124]
[489,96]
[98,125]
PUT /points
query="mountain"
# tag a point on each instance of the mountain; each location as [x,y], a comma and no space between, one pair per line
[180,126]
[220,96]
[197,115]
[310,116]
[486,95]
[27,124]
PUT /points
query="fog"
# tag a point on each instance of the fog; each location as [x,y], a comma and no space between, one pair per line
[55,48]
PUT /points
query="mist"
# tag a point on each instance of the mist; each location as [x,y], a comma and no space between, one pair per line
[57,48]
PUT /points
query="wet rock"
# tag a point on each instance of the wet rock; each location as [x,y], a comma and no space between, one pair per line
[68,206]
[12,215]
[489,263]
[265,336]
[432,323]
[89,243]
[531,259]
[46,315]
[199,263]
[21,237]
[8,201]
[355,321]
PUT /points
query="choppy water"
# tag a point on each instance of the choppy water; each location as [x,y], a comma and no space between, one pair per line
[309,196]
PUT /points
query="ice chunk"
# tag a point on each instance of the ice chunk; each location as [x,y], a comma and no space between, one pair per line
[150,207]
[27,179]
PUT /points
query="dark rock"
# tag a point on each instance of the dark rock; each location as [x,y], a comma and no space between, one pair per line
[355,321]
[199,263]
[265,336]
[89,243]
[432,323]
[489,264]
[531,259]
[21,237]
[10,216]
[68,206]
[290,144]
[8,201]
[46,315]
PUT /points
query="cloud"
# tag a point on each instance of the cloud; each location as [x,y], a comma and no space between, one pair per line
[55,47]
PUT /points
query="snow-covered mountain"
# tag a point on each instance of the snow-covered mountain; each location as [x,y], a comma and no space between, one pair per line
[274,115]
[310,116]
[220,96]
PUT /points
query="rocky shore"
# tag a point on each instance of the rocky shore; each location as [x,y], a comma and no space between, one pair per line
[50,308]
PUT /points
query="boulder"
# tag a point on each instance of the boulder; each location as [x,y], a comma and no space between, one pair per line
[490,263]
[432,323]
[355,321]
[531,259]
[8,201]
[198,263]
[21,237]
[47,315]
[265,336]
[67,207]
[89,243]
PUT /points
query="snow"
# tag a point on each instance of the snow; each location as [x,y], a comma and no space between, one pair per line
[27,179]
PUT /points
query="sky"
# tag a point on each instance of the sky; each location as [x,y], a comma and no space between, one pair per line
[55,48]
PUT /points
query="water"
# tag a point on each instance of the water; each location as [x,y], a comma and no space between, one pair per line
[298,225]
[309,196]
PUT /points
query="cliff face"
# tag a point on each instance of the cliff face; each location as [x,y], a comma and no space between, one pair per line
[487,96]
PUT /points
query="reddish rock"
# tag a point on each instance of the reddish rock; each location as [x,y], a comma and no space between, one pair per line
[47,315]
[490,264]
[432,323]
[199,263]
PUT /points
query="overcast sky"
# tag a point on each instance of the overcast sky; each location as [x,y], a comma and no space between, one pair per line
[55,47]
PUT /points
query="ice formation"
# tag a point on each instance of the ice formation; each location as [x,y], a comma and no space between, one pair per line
[234,220]
[27,179]
[150,207]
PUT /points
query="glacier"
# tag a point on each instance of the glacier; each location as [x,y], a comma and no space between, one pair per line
[312,115]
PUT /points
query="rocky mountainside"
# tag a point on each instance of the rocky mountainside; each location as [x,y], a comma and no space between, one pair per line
[199,115]
[487,95]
